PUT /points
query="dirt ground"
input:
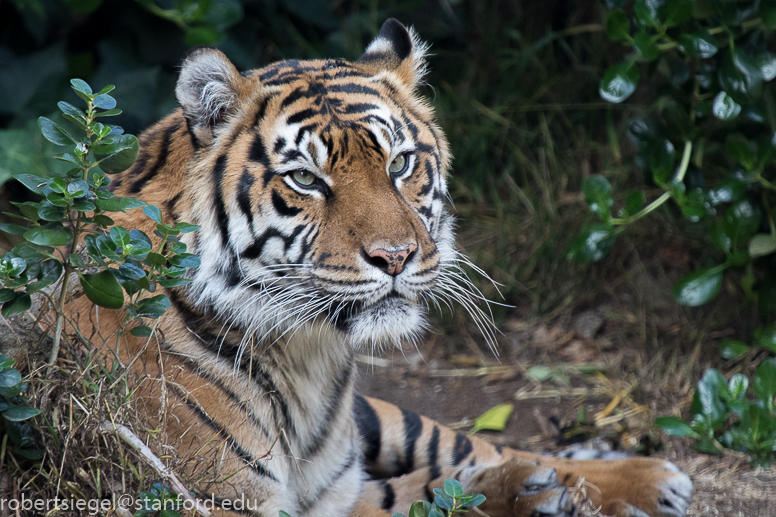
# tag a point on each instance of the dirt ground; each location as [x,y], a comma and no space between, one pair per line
[568,406]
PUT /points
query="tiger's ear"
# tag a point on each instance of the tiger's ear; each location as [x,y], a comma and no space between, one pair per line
[398,50]
[208,90]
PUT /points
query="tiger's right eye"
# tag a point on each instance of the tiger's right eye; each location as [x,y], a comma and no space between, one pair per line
[304,178]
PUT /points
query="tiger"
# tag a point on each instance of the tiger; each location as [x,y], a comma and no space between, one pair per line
[319,188]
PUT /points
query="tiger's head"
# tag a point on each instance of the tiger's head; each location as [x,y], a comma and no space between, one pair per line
[319,187]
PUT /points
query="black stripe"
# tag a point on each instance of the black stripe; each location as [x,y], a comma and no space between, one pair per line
[294,96]
[218,199]
[433,447]
[281,207]
[389,497]
[368,428]
[244,195]
[499,450]
[353,88]
[256,466]
[463,447]
[436,471]
[279,144]
[333,405]
[161,160]
[300,116]
[254,250]
[412,429]
[257,152]
[359,107]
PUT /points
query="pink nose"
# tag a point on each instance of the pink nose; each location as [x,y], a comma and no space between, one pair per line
[392,261]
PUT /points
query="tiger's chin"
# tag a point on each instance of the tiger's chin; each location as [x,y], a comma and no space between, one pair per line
[387,322]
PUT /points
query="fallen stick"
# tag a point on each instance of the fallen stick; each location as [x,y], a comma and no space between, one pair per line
[168,475]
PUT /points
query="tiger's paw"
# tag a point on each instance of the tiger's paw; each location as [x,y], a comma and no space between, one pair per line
[639,487]
[519,489]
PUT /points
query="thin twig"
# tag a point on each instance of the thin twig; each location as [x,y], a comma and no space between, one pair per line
[168,475]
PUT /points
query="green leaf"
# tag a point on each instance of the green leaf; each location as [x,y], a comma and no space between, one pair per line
[118,204]
[20,413]
[592,244]
[766,62]
[13,229]
[108,113]
[154,213]
[201,36]
[732,349]
[728,190]
[660,156]
[186,227]
[740,76]
[724,107]
[766,337]
[20,303]
[738,385]
[675,426]
[152,307]
[185,260]
[419,509]
[10,378]
[123,159]
[119,236]
[174,282]
[698,287]
[49,212]
[762,244]
[474,500]
[619,82]
[741,220]
[132,271]
[104,101]
[103,289]
[598,194]
[82,89]
[53,234]
[141,331]
[34,183]
[50,271]
[453,488]
[764,382]
[709,396]
[646,45]
[646,13]
[54,133]
[618,25]
[677,12]
[69,109]
[494,419]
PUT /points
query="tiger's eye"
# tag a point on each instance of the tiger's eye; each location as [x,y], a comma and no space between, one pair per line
[398,164]
[304,178]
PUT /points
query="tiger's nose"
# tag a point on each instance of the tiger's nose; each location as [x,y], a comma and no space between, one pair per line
[391,261]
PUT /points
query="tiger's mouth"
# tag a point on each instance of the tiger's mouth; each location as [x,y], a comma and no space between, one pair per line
[390,318]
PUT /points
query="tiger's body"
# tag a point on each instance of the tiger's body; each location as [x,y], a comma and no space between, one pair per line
[319,188]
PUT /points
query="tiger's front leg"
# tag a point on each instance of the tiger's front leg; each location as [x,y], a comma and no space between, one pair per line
[414,451]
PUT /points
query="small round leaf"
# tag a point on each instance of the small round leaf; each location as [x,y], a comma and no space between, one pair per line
[619,82]
[698,287]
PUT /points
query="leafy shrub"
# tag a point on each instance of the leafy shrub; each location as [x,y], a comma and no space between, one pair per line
[710,145]
[724,415]
[74,206]
[448,502]
[15,411]
[159,501]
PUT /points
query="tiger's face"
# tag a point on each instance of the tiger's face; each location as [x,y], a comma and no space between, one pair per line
[328,182]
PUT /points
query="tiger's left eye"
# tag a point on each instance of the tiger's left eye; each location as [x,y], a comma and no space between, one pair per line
[303,177]
[398,164]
